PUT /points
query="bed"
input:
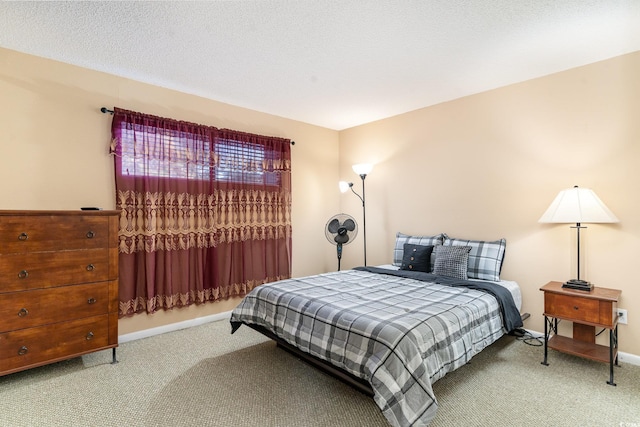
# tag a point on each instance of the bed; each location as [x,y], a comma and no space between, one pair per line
[392,331]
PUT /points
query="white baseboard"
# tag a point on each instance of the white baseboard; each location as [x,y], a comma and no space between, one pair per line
[173,327]
[629,358]
[623,357]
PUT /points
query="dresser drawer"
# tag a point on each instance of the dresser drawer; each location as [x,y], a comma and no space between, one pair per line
[36,346]
[26,309]
[572,307]
[48,269]
[20,234]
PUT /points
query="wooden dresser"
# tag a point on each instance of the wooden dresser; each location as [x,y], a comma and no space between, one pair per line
[58,286]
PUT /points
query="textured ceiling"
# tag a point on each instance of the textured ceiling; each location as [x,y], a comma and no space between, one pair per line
[335,64]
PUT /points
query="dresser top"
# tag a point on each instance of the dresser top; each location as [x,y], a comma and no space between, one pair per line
[56,212]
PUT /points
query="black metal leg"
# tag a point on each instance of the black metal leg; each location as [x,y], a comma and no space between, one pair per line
[616,338]
[546,339]
[114,360]
[611,344]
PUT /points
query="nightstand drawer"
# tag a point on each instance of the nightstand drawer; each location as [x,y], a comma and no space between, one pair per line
[572,307]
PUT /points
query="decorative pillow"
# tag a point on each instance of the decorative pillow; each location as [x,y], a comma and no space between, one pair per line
[485,258]
[401,239]
[451,261]
[416,258]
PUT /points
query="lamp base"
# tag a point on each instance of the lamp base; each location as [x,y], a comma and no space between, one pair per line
[578,284]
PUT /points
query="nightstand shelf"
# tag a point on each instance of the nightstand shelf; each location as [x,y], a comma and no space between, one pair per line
[599,353]
[587,310]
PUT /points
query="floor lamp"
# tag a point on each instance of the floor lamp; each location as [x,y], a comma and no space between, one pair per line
[362,169]
[578,205]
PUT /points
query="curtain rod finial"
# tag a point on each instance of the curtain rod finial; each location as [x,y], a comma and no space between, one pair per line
[105,110]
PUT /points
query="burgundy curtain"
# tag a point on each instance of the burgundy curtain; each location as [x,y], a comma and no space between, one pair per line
[205,212]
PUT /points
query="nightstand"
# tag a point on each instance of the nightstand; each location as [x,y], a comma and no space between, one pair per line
[587,310]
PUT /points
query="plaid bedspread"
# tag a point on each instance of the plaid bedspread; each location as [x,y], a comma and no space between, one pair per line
[399,334]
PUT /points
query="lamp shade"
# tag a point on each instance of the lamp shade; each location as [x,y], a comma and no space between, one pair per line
[578,205]
[344,186]
[362,168]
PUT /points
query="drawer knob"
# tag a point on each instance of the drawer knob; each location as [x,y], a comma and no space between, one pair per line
[90,234]
[23,350]
[23,236]
[23,312]
[90,267]
[23,274]
[91,301]
[89,336]
[575,307]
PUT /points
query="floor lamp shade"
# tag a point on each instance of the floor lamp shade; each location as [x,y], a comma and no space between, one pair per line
[578,205]
[362,168]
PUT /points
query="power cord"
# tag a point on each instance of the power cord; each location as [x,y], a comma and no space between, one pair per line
[527,337]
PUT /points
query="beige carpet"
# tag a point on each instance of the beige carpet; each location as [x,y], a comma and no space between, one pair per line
[204,376]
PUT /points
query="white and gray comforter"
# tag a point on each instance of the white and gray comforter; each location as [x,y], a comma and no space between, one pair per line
[400,334]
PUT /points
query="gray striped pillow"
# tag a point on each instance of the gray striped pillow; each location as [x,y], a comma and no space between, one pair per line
[485,258]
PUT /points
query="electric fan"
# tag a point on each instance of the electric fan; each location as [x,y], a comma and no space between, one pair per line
[341,230]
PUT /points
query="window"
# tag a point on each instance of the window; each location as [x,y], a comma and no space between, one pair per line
[189,156]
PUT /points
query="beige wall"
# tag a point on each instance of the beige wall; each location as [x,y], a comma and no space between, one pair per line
[484,166]
[487,166]
[54,143]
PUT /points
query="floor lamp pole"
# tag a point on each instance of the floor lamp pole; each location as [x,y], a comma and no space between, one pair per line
[364,221]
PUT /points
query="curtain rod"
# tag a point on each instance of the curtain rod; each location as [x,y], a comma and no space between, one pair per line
[105,110]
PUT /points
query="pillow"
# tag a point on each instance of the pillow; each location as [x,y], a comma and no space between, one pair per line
[485,258]
[401,239]
[416,258]
[451,261]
